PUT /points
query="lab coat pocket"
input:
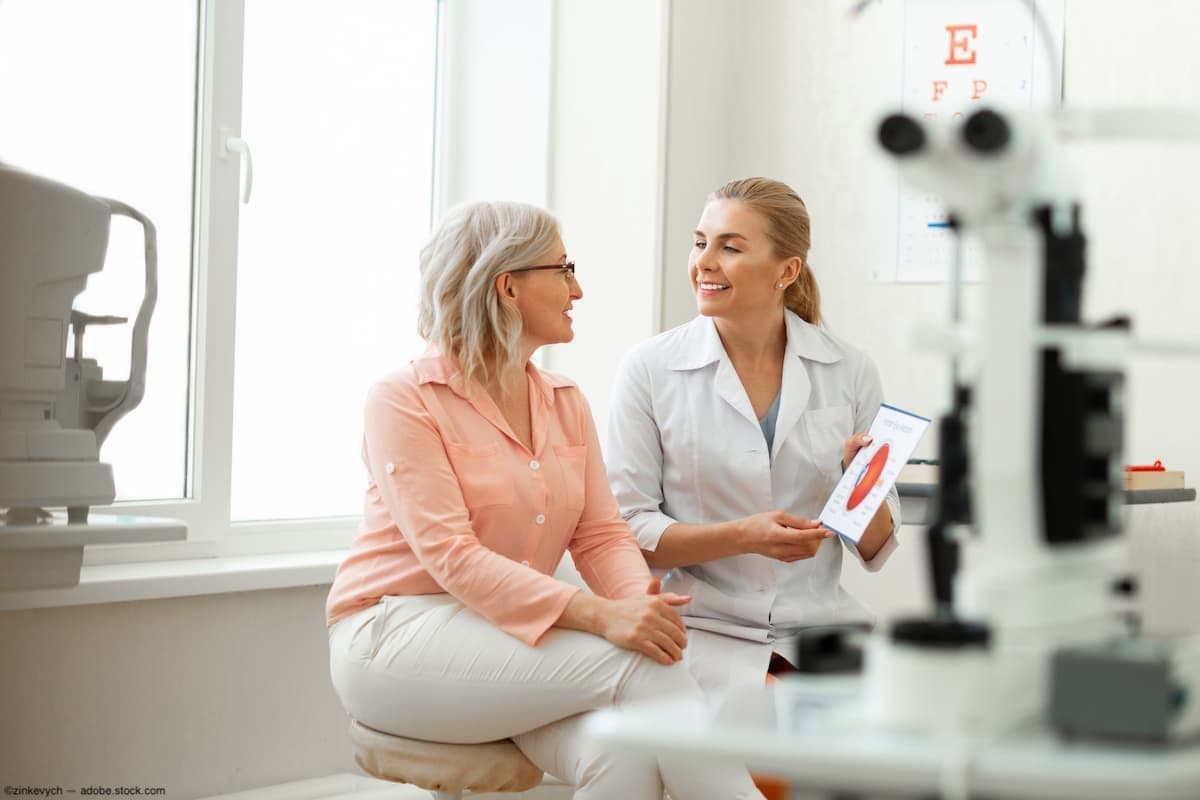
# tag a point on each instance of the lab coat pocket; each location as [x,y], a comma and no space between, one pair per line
[827,430]
[573,458]
[481,475]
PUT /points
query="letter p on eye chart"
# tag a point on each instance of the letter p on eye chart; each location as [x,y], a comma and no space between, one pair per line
[871,474]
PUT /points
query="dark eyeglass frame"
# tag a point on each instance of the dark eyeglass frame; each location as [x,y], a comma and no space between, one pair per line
[567,265]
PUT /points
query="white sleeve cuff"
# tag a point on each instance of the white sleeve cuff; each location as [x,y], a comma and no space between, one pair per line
[876,563]
[889,546]
[648,527]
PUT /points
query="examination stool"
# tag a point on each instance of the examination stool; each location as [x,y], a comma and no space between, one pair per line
[445,769]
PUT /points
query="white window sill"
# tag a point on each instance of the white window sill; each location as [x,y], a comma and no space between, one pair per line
[153,580]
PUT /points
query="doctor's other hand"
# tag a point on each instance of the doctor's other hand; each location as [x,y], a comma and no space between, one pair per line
[855,443]
[648,624]
[780,535]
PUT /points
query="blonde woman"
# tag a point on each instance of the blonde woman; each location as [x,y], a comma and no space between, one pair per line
[728,433]
[446,621]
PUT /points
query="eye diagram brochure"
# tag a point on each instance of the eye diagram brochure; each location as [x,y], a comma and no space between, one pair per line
[871,474]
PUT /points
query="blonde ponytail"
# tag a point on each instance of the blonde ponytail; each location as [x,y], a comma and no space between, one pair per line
[803,296]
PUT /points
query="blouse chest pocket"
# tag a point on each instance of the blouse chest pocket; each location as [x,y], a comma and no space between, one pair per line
[827,430]
[573,459]
[481,475]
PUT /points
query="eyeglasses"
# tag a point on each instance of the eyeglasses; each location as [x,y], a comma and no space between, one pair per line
[569,266]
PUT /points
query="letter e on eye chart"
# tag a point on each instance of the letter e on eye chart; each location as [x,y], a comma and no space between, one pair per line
[872,472]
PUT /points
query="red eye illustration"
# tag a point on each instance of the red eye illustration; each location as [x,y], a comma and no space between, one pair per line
[868,478]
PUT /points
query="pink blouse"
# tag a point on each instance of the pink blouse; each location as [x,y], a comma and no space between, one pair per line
[455,503]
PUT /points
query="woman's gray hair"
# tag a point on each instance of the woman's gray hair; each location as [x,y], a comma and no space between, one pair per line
[459,311]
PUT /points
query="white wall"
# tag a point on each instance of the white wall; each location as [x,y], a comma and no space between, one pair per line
[791,90]
[199,695]
[606,179]
[559,103]
[494,115]
[705,131]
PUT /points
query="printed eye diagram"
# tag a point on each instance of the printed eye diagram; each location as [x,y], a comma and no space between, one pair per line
[868,477]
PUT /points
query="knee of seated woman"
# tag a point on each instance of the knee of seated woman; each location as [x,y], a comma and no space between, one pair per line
[649,681]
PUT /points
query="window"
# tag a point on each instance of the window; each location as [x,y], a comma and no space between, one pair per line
[343,169]
[250,416]
[101,106]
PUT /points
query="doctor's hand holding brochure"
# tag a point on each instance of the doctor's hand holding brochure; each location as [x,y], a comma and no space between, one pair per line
[872,472]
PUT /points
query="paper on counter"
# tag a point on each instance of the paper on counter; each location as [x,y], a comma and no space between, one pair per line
[872,472]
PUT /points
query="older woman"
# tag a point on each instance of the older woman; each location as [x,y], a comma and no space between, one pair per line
[446,622]
[728,434]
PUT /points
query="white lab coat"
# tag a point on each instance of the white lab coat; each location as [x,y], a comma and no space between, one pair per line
[684,445]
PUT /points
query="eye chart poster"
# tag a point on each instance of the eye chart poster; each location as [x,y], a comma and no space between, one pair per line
[957,57]
[872,472]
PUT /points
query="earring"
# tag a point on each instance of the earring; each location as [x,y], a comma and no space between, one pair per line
[779,286]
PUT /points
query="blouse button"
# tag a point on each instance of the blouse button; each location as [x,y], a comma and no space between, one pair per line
[540,519]
[524,563]
[389,468]
[534,464]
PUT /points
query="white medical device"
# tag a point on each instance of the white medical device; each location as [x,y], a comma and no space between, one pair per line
[55,409]
[1031,452]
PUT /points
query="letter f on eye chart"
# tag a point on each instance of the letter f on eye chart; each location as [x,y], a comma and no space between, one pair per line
[872,472]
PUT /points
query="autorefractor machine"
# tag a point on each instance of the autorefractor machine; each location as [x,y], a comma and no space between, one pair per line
[56,408]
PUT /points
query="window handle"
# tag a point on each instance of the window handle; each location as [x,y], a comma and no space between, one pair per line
[237,144]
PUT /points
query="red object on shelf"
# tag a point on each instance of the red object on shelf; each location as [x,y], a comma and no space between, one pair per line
[1157,466]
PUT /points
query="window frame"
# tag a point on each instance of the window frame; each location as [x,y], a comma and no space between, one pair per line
[206,508]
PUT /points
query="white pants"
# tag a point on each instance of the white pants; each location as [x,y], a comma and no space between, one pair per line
[426,667]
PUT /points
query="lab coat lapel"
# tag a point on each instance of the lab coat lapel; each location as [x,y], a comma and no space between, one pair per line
[729,388]
[700,349]
[797,388]
[804,343]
